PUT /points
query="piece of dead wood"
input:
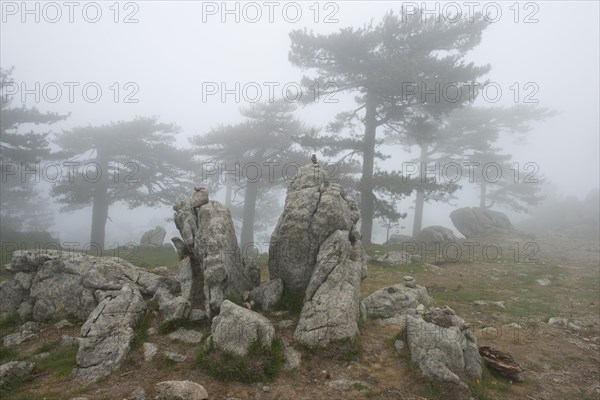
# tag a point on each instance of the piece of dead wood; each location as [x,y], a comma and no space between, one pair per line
[501,362]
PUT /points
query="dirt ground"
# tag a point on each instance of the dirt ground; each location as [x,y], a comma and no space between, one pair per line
[561,362]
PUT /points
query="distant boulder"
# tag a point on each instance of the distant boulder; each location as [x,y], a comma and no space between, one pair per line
[480,222]
[154,237]
[435,234]
[398,239]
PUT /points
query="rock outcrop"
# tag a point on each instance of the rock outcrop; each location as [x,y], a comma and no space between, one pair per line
[211,266]
[154,237]
[316,249]
[106,335]
[479,222]
[55,284]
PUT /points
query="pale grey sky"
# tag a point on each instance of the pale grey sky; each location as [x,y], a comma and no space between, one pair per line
[170,52]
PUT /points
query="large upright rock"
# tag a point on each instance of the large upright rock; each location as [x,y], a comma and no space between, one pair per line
[211,266]
[106,335]
[314,209]
[331,308]
[316,249]
[480,222]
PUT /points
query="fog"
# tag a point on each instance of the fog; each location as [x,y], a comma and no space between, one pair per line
[175,51]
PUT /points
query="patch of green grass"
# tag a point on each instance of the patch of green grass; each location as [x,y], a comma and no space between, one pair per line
[291,300]
[8,354]
[174,324]
[147,257]
[141,331]
[164,362]
[259,365]
[349,349]
[9,325]
[152,305]
[46,348]
[60,362]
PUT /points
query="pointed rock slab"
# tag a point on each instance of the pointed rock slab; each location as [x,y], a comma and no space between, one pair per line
[211,266]
[331,308]
[236,328]
[314,209]
[106,335]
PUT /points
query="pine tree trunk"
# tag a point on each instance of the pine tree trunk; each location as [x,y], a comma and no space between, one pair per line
[366,193]
[99,214]
[247,236]
[419,204]
[482,195]
[420,198]
[228,190]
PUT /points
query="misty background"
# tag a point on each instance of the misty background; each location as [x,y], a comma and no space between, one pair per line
[170,52]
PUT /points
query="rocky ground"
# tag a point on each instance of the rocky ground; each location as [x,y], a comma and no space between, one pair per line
[507,304]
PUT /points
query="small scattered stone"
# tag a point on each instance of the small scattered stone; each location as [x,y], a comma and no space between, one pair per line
[398,344]
[291,357]
[68,340]
[150,350]
[197,314]
[345,384]
[266,389]
[31,327]
[18,338]
[408,278]
[543,282]
[175,357]
[41,355]
[138,394]
[200,196]
[558,321]
[574,327]
[63,324]
[180,390]
[186,336]
[490,330]
[286,324]
[448,310]
[151,331]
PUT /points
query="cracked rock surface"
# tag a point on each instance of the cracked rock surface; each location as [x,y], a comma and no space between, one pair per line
[106,335]
[211,265]
[56,284]
[316,249]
